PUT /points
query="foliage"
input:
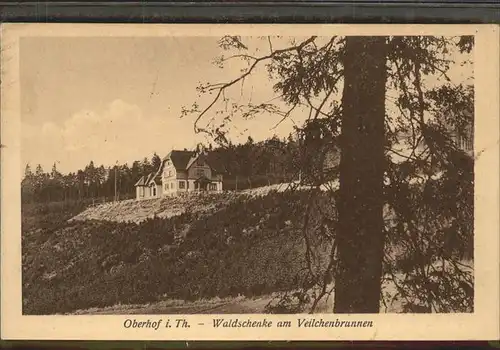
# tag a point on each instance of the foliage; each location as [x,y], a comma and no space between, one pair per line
[250,246]
[428,175]
[45,215]
[247,165]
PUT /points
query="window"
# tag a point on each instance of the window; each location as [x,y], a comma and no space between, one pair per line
[200,172]
[212,187]
[465,143]
[182,185]
[187,184]
[154,191]
[172,184]
[169,173]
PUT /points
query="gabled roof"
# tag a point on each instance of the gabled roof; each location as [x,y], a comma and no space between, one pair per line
[141,182]
[149,178]
[180,159]
[157,178]
[194,159]
[216,163]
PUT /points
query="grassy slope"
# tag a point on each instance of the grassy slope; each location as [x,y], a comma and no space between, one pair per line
[139,211]
[234,254]
[242,246]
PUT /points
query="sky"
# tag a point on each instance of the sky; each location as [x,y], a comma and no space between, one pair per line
[118,99]
[110,99]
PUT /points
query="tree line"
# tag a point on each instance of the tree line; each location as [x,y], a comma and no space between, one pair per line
[245,165]
[90,182]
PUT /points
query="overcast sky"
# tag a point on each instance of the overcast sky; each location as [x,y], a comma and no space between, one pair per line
[120,99]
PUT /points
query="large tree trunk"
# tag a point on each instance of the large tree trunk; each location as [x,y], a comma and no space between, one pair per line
[360,236]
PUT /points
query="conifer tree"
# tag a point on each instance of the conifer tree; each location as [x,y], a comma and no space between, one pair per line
[309,75]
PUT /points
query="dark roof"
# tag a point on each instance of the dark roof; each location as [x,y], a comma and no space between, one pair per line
[216,163]
[180,159]
[157,178]
[141,182]
[149,178]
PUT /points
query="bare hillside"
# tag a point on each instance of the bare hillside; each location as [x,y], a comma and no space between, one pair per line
[166,207]
[139,211]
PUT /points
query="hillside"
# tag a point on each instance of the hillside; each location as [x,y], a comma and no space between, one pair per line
[243,245]
[166,207]
[232,253]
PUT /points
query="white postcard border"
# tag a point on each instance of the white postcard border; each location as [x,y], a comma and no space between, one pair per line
[483,324]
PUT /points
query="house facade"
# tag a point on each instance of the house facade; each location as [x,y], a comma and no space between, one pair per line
[180,172]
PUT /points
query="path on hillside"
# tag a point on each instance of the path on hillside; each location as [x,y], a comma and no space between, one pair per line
[246,306]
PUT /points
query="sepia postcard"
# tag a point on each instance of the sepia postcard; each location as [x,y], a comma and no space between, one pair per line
[250,182]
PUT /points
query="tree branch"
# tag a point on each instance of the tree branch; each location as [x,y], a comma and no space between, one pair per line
[221,87]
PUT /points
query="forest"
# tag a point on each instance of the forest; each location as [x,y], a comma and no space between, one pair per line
[248,165]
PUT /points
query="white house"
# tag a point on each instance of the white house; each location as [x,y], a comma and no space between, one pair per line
[179,172]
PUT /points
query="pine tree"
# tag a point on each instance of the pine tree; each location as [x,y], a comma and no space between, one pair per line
[360,238]
[28,185]
[28,174]
[55,174]
[307,73]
